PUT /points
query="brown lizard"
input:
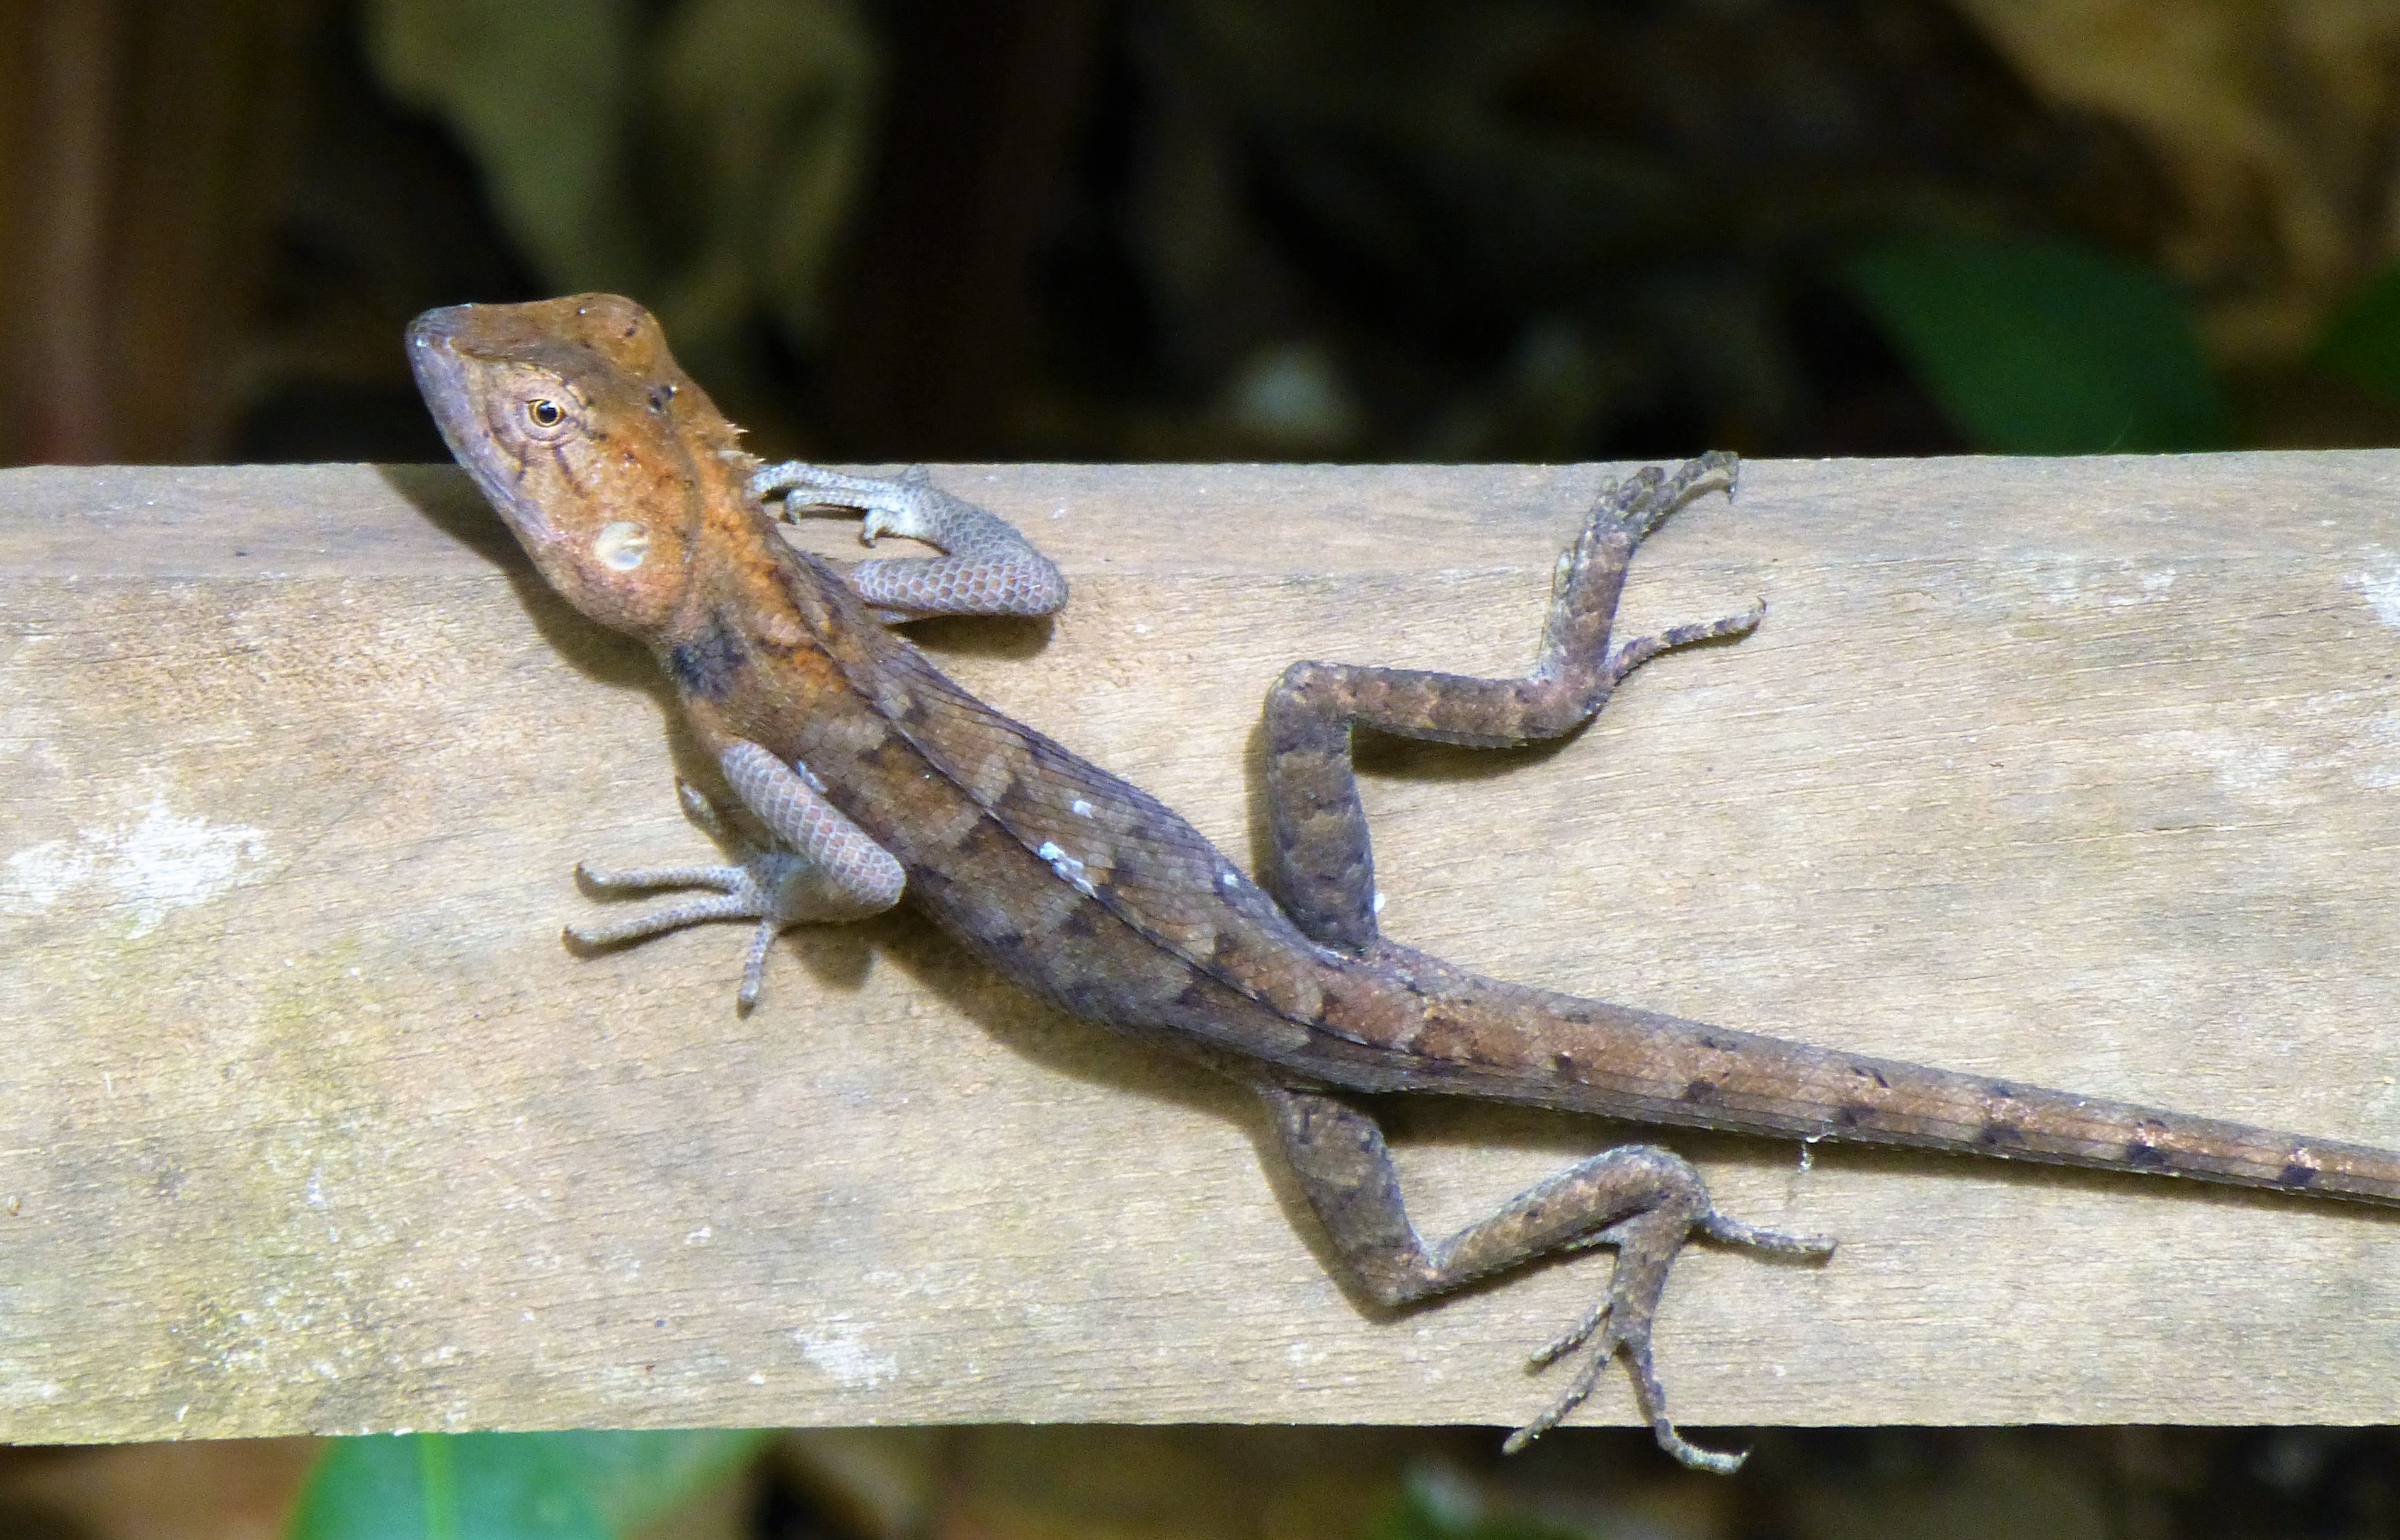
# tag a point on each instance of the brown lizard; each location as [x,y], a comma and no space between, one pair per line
[882,781]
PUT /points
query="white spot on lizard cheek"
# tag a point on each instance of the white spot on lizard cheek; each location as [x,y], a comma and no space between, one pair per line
[837,1348]
[622,545]
[2382,587]
[157,865]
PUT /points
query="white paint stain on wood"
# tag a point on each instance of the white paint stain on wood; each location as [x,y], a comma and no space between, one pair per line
[154,863]
[838,1348]
[2380,583]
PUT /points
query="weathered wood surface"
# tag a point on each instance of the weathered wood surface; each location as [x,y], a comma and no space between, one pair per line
[2086,773]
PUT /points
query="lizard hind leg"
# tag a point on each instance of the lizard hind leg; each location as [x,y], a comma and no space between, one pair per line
[1642,1201]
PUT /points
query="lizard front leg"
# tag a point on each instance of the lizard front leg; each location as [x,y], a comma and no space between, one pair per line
[826,869]
[1644,1201]
[987,568]
[1322,862]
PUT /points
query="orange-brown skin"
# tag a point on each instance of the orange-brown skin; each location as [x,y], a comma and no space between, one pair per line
[573,417]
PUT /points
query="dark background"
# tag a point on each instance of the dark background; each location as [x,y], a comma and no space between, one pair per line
[1217,229]
[1209,229]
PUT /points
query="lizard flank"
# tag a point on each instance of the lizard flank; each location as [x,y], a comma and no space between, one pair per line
[883,782]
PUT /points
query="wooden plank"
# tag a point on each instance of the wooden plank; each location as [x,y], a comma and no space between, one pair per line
[2086,773]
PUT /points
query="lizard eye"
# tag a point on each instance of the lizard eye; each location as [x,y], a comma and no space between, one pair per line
[542,411]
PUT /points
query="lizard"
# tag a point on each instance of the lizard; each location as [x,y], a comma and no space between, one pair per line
[880,781]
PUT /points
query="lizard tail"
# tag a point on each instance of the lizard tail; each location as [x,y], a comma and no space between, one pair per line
[1506,1041]
[1678,1072]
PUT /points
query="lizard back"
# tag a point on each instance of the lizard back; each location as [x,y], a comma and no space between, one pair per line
[1092,892]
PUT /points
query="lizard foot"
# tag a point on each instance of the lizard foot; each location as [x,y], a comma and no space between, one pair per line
[763,887]
[1626,510]
[1590,573]
[1647,1244]
[906,505]
[987,566]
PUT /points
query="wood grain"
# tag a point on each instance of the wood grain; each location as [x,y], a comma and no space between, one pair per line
[2086,773]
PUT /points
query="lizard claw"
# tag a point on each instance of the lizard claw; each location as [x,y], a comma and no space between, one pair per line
[1648,1394]
[1639,502]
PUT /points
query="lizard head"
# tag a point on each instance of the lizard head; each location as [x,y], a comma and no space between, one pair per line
[594,447]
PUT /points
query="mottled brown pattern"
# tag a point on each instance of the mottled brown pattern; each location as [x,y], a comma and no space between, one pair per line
[636,504]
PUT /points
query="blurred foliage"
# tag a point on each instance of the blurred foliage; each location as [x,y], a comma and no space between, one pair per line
[2271,122]
[1441,229]
[2362,341]
[1433,1503]
[2046,347]
[1473,229]
[1463,230]
[509,1486]
[703,156]
[1525,229]
[1333,1483]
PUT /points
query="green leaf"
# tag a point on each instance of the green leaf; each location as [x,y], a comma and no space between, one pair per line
[2044,348]
[1433,1503]
[508,1486]
[2361,341]
[540,93]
